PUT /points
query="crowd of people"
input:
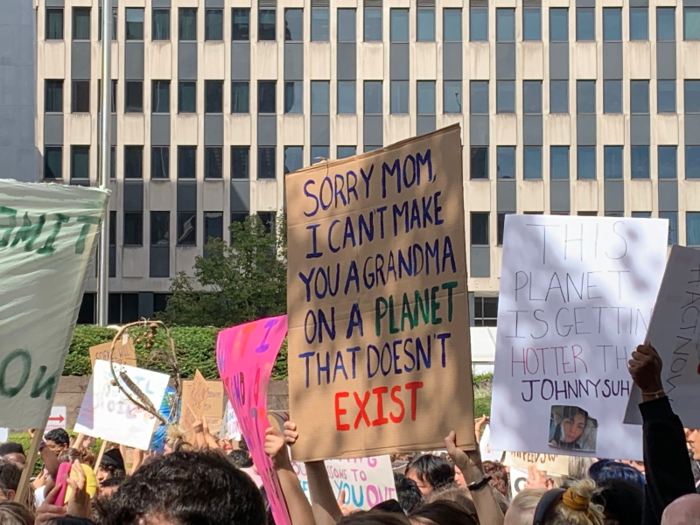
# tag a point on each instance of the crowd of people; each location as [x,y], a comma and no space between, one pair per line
[201,481]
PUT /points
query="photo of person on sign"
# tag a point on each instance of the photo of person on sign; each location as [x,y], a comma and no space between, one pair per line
[571,428]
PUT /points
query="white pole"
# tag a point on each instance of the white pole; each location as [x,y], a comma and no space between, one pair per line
[105,128]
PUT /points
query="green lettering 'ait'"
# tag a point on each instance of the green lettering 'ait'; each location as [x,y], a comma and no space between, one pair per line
[26,359]
[29,232]
[48,248]
[87,222]
[9,225]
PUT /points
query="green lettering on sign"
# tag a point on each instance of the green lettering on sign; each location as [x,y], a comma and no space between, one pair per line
[6,391]
[87,222]
[29,232]
[9,226]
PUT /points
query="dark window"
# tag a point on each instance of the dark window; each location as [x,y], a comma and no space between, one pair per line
[294,25]
[240,24]
[480,229]
[187,228]
[559,24]
[641,215]
[268,220]
[692,96]
[53,162]
[559,96]
[666,24]
[425,97]
[347,98]
[399,25]
[54,24]
[266,96]
[479,97]
[478,24]
[113,23]
[691,23]
[452,96]
[294,97]
[532,23]
[213,225]
[452,25]
[373,97]
[319,24]
[53,96]
[187,97]
[505,25]
[505,160]
[585,23]
[505,96]
[133,98]
[485,311]
[266,163]
[213,162]
[612,96]
[346,151]
[293,159]
[612,162]
[612,24]
[668,162]
[213,24]
[81,96]
[266,24]
[240,97]
[532,162]
[479,163]
[160,302]
[373,24]
[639,23]
[187,25]
[133,162]
[692,224]
[161,24]
[160,162]
[585,97]
[532,97]
[666,96]
[81,23]
[134,23]
[319,154]
[112,228]
[500,227]
[133,228]
[160,227]
[346,25]
[639,97]
[186,162]
[113,162]
[213,96]
[425,24]
[672,217]
[240,165]
[80,162]
[639,156]
[161,96]
[399,96]
[585,163]
[559,162]
[112,96]
[320,97]
[692,162]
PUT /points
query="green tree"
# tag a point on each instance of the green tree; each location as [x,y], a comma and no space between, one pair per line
[235,283]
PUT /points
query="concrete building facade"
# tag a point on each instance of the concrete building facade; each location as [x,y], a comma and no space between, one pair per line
[566,106]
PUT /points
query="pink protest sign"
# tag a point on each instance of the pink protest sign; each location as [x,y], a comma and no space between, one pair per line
[245,355]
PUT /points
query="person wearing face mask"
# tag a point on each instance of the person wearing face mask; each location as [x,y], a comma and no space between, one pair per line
[568,433]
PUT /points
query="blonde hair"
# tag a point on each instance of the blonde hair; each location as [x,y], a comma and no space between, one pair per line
[522,508]
[461,497]
[581,492]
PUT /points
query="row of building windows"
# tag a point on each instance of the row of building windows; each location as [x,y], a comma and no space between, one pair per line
[559,162]
[425,103]
[480,225]
[399,24]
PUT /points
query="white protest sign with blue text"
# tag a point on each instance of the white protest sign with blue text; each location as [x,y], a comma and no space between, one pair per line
[675,334]
[108,414]
[47,235]
[576,297]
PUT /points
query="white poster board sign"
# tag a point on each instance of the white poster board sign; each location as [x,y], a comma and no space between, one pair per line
[576,297]
[57,419]
[675,334]
[518,480]
[4,434]
[47,235]
[108,414]
[366,481]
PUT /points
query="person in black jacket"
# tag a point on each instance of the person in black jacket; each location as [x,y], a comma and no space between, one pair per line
[666,461]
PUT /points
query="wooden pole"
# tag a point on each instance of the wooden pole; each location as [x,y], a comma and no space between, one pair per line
[23,487]
[99,456]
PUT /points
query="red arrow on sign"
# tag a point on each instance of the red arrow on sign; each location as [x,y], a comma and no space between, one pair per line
[59,419]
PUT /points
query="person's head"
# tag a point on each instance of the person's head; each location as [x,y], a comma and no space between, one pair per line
[579,466]
[572,506]
[71,520]
[442,513]
[14,453]
[573,424]
[407,492]
[461,497]
[111,466]
[110,486]
[606,470]
[459,478]
[374,517]
[240,459]
[499,477]
[694,442]
[185,488]
[57,440]
[9,480]
[522,508]
[12,513]
[622,501]
[684,511]
[430,472]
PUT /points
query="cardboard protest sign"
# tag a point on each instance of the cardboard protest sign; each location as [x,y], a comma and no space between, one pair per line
[576,298]
[245,355]
[108,414]
[124,353]
[674,332]
[553,464]
[194,400]
[213,404]
[366,481]
[47,236]
[518,480]
[378,309]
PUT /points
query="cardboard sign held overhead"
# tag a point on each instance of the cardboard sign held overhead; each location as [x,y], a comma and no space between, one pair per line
[124,353]
[47,236]
[214,404]
[552,464]
[377,302]
[193,404]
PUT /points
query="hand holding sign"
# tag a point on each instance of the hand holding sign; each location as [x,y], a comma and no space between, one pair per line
[645,369]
